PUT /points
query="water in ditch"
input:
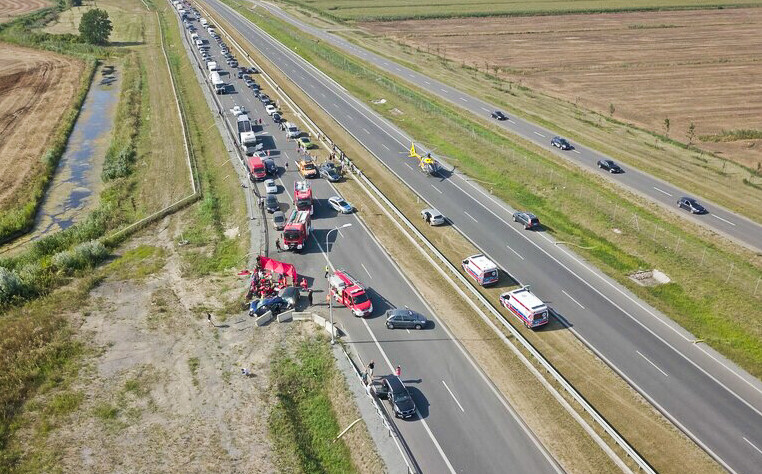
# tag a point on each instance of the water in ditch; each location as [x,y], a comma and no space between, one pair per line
[77,180]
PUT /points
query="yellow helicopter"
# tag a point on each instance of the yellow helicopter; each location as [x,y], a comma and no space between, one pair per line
[426,163]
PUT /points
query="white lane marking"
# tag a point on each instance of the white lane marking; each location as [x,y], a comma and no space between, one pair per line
[408,331]
[486,109]
[469,215]
[512,121]
[366,270]
[387,148]
[752,445]
[440,192]
[366,130]
[570,297]
[464,99]
[577,152]
[427,82]
[398,69]
[517,254]
[723,220]
[408,165]
[540,134]
[453,396]
[422,420]
[662,191]
[443,90]
[655,366]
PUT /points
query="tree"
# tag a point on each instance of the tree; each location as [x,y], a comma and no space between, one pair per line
[666,127]
[691,133]
[612,109]
[95,27]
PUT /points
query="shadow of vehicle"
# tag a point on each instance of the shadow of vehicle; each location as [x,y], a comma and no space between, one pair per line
[421,402]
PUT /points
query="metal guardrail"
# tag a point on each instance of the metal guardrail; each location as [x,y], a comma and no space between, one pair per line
[568,388]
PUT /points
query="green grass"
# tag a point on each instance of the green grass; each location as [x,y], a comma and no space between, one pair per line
[138,263]
[401,9]
[302,424]
[572,205]
[733,135]
[193,365]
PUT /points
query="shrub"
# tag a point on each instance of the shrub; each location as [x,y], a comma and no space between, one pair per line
[10,285]
[83,256]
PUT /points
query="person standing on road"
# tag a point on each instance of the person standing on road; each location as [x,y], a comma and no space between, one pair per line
[309,297]
[304,284]
[286,165]
[371,366]
[398,371]
[327,271]
[209,320]
[277,244]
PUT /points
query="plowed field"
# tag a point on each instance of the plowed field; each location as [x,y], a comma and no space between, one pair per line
[689,66]
[13,8]
[36,88]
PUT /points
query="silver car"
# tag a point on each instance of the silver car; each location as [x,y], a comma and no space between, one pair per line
[433,217]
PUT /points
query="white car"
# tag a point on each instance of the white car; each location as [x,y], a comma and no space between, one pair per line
[238,110]
[271,109]
[340,204]
[433,217]
[271,187]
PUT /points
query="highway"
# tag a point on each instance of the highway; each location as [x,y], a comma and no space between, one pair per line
[732,225]
[709,398]
[464,425]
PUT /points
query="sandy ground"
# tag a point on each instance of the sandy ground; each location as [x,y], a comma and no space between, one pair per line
[688,66]
[36,88]
[13,8]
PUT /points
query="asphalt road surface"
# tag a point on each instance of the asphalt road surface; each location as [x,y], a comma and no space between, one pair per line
[732,225]
[712,400]
[463,424]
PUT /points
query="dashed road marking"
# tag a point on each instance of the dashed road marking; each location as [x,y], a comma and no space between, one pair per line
[453,396]
[540,134]
[469,215]
[570,297]
[662,191]
[649,361]
[723,220]
[517,254]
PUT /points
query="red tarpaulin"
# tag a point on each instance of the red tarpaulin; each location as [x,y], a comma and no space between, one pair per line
[278,267]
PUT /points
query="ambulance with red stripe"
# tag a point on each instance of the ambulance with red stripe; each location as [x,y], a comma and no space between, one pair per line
[481,269]
[526,306]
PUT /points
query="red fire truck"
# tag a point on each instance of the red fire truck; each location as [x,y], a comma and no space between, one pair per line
[303,196]
[257,171]
[350,293]
[297,229]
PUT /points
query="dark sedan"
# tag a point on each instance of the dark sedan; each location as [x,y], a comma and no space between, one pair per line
[328,171]
[498,115]
[527,219]
[691,205]
[271,203]
[610,166]
[405,318]
[561,143]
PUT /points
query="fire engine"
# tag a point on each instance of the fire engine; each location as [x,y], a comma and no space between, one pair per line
[350,293]
[526,306]
[303,196]
[297,230]
[257,171]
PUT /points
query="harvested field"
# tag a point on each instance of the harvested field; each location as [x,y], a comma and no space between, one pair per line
[688,66]
[10,9]
[36,88]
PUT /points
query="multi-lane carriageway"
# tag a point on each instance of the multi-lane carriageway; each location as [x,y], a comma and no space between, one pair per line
[464,424]
[708,397]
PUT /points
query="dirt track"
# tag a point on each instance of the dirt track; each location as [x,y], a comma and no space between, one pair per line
[688,66]
[36,88]
[14,8]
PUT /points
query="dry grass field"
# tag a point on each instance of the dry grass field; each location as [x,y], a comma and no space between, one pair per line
[10,9]
[36,88]
[689,66]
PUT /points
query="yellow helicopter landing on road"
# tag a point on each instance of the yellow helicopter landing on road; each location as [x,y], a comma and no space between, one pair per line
[426,163]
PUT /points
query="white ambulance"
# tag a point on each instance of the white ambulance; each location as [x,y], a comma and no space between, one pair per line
[481,268]
[526,306]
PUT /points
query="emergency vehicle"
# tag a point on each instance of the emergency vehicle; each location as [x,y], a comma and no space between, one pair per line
[526,306]
[297,229]
[307,168]
[481,268]
[303,196]
[346,290]
[257,171]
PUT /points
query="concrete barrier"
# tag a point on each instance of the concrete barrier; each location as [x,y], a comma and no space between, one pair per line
[301,316]
[283,317]
[264,319]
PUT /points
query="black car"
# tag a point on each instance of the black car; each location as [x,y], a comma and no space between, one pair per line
[690,204]
[328,171]
[240,73]
[265,99]
[251,70]
[498,115]
[276,305]
[271,203]
[276,118]
[399,398]
[527,219]
[561,143]
[233,63]
[405,318]
[610,166]
[270,167]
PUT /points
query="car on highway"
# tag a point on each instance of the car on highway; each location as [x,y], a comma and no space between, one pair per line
[610,166]
[433,217]
[290,295]
[561,143]
[271,203]
[527,219]
[404,318]
[279,220]
[691,205]
[498,115]
[249,83]
[241,72]
[307,168]
[232,63]
[265,99]
[328,171]
[398,397]
[259,307]
[271,109]
[238,110]
[255,87]
[270,186]
[307,143]
[251,70]
[277,118]
[340,204]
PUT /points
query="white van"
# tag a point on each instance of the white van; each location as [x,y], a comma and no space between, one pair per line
[194,37]
[292,131]
[212,66]
[199,42]
[204,23]
[482,269]
[526,306]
